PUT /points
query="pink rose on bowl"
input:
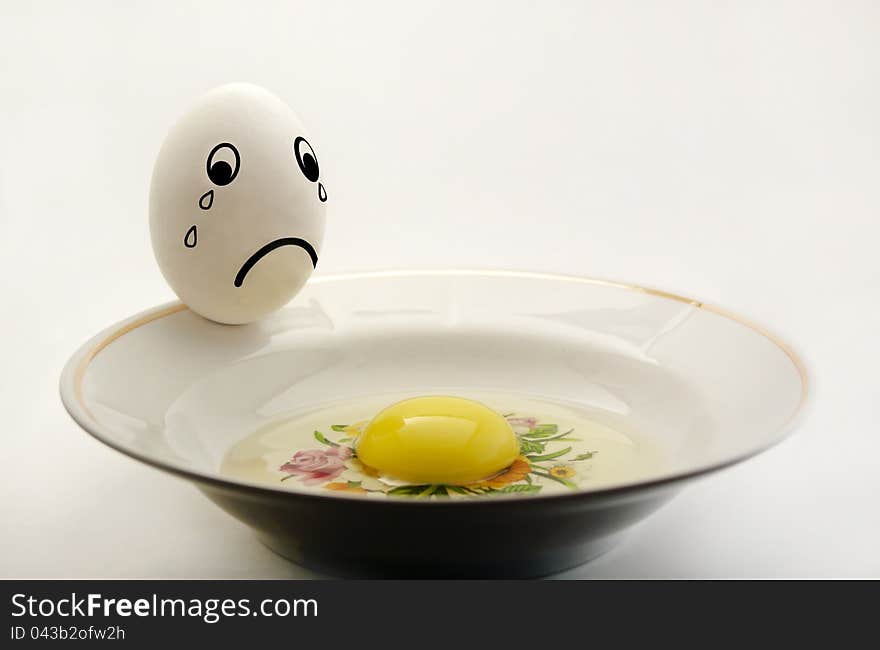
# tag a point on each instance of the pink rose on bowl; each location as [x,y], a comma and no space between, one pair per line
[522,423]
[314,466]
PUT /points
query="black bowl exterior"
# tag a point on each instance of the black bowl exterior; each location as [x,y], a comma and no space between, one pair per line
[503,538]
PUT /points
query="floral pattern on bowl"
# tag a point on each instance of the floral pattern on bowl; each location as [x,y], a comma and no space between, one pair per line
[546,456]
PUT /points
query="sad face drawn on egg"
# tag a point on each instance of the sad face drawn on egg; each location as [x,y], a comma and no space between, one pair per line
[222,172]
[237,205]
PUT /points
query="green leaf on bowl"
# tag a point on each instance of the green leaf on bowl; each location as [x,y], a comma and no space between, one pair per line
[555,454]
[519,488]
[409,490]
[320,438]
[467,491]
[530,446]
[339,427]
[542,431]
[548,438]
[586,456]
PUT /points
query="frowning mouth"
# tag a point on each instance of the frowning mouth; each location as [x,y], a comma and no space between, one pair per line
[268,248]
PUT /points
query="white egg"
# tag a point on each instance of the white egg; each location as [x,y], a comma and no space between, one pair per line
[237,205]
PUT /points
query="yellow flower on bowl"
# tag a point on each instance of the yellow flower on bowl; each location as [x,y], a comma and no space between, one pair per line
[562,471]
[339,486]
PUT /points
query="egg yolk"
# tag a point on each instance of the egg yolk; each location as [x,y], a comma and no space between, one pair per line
[439,439]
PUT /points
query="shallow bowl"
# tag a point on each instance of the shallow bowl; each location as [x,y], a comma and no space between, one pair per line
[703,387]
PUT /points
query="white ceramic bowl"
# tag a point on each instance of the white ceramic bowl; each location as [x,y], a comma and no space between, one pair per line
[177,391]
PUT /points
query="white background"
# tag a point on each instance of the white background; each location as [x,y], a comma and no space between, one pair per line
[727,151]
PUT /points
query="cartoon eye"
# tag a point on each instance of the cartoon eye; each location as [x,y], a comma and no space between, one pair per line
[306,158]
[223,163]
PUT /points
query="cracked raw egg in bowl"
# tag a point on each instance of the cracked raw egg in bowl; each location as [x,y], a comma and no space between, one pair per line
[438,440]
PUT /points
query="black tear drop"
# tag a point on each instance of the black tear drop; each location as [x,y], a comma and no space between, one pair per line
[322,193]
[207,200]
[191,238]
